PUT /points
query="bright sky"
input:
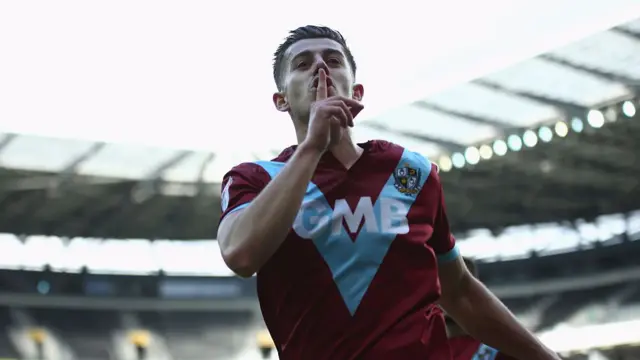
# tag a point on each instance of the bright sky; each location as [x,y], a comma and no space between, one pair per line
[192,74]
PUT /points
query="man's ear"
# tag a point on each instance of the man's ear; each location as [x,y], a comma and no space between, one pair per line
[358,92]
[280,102]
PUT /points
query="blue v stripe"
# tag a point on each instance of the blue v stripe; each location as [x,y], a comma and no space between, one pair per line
[354,264]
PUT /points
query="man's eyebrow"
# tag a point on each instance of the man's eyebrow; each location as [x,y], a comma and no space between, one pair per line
[307,53]
[333,52]
[302,54]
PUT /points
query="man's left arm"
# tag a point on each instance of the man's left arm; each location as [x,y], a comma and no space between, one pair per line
[470,303]
[483,316]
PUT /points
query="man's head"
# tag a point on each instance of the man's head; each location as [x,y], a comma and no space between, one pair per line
[297,61]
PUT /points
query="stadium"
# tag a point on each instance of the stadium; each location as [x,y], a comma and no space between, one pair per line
[108,249]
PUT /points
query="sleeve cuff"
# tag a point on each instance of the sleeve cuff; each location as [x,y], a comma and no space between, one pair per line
[450,255]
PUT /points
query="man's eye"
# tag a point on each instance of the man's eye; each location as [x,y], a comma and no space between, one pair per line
[301,64]
[334,61]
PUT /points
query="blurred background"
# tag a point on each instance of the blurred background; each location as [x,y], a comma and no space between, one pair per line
[118,121]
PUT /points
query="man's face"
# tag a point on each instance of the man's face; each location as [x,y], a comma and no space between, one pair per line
[300,68]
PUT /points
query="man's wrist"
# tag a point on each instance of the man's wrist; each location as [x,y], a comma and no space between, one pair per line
[309,152]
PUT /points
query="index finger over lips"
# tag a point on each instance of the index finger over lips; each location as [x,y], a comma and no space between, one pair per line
[321,90]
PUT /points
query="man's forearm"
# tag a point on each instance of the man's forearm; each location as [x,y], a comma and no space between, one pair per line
[262,227]
[485,318]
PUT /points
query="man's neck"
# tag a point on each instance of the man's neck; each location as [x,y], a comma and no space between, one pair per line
[346,151]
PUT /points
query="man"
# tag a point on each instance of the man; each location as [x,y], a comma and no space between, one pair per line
[463,346]
[350,242]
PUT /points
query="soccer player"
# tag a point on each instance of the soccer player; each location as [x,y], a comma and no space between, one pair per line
[464,346]
[350,242]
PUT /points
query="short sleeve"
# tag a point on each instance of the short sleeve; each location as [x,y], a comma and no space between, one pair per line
[240,186]
[442,241]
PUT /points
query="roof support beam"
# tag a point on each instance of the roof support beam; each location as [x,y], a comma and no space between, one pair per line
[504,126]
[187,211]
[119,204]
[54,185]
[6,140]
[140,194]
[632,84]
[446,144]
[73,165]
[148,186]
[112,202]
[203,169]
[156,173]
[66,174]
[570,109]
[627,32]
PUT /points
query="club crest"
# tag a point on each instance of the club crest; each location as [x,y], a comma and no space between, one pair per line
[407,180]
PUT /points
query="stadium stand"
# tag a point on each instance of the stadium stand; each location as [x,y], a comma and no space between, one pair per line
[200,335]
[570,302]
[7,349]
[534,296]
[88,333]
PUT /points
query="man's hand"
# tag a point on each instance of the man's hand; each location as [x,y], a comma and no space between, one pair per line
[329,116]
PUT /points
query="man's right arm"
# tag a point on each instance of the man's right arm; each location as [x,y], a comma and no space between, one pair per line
[250,236]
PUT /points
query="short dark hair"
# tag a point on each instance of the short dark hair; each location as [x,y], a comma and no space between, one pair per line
[304,33]
[471,265]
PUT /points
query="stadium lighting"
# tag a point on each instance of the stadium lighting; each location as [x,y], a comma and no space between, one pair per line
[577,125]
[500,147]
[545,134]
[628,109]
[514,142]
[595,118]
[486,152]
[445,164]
[472,155]
[561,129]
[529,138]
[43,287]
[457,160]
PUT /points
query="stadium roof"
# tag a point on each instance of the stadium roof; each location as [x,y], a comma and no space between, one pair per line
[166,92]
[586,74]
[449,126]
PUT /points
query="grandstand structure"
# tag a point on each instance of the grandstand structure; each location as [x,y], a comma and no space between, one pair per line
[592,289]
[108,251]
[554,136]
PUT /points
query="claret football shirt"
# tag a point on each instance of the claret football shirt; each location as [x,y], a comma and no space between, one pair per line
[356,277]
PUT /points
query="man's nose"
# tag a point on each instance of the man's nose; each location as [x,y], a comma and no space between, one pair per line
[319,63]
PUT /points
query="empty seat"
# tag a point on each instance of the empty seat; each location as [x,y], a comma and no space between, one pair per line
[88,332]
